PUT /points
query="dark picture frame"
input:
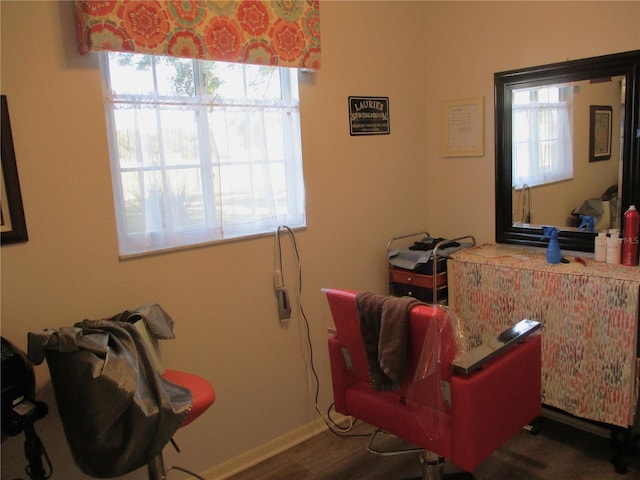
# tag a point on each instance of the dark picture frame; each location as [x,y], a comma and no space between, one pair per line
[600,130]
[13,228]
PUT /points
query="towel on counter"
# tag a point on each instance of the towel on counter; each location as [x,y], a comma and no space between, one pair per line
[384,324]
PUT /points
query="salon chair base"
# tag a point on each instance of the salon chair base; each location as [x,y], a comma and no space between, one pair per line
[434,470]
[432,465]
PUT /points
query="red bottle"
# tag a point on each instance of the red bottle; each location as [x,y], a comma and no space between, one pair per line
[630,242]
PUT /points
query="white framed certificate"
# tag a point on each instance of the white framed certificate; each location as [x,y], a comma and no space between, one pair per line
[463,128]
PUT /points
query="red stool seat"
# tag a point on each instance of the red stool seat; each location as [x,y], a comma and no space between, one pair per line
[202,392]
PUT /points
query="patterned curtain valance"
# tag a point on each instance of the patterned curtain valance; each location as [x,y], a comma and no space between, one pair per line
[283,33]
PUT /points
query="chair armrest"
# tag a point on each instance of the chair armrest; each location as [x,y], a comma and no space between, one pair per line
[491,405]
[476,358]
[341,377]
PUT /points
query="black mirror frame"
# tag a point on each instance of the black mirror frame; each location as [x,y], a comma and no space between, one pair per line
[11,187]
[627,64]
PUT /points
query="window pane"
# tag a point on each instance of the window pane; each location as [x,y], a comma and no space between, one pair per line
[231,80]
[219,132]
[236,188]
[185,198]
[175,76]
[142,194]
[230,132]
[135,74]
[137,135]
[179,136]
[131,74]
[263,82]
[127,138]
[235,81]
[275,133]
[521,97]
[278,181]
[132,198]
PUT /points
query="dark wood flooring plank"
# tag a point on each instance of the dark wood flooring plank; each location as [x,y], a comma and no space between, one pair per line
[557,452]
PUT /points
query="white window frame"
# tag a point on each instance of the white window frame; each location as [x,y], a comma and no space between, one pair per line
[212,230]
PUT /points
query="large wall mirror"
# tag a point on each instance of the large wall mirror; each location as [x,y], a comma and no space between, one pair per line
[567,149]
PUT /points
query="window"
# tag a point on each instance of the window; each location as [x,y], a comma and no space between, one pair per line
[201,151]
[542,138]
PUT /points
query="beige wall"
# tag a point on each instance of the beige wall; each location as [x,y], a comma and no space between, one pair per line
[361,191]
[469,41]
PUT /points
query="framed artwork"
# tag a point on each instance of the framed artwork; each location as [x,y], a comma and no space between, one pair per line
[463,127]
[13,228]
[600,128]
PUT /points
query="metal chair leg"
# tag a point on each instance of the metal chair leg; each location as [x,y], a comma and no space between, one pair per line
[184,470]
[432,466]
[156,470]
[433,469]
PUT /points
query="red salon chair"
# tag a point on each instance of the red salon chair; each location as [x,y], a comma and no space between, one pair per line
[119,407]
[462,418]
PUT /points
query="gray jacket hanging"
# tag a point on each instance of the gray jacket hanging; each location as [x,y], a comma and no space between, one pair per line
[117,411]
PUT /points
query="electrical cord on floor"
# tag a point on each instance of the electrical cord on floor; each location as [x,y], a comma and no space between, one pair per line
[333,426]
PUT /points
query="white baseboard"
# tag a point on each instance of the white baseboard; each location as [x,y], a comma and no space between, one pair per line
[263,452]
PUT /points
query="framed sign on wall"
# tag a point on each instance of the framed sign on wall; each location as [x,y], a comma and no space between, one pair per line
[369,116]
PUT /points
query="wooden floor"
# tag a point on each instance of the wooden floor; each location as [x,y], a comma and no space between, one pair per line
[556,452]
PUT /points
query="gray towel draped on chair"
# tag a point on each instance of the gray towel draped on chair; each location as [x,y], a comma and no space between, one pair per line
[384,327]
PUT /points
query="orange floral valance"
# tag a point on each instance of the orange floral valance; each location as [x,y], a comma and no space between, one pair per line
[283,33]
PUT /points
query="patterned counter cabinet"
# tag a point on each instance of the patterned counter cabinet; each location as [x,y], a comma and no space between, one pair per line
[589,315]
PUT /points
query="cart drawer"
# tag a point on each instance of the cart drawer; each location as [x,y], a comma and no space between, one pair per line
[417,279]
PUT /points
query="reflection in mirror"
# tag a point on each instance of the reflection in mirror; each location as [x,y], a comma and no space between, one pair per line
[567,153]
[554,178]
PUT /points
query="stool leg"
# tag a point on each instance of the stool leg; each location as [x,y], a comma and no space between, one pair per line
[185,471]
[155,468]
